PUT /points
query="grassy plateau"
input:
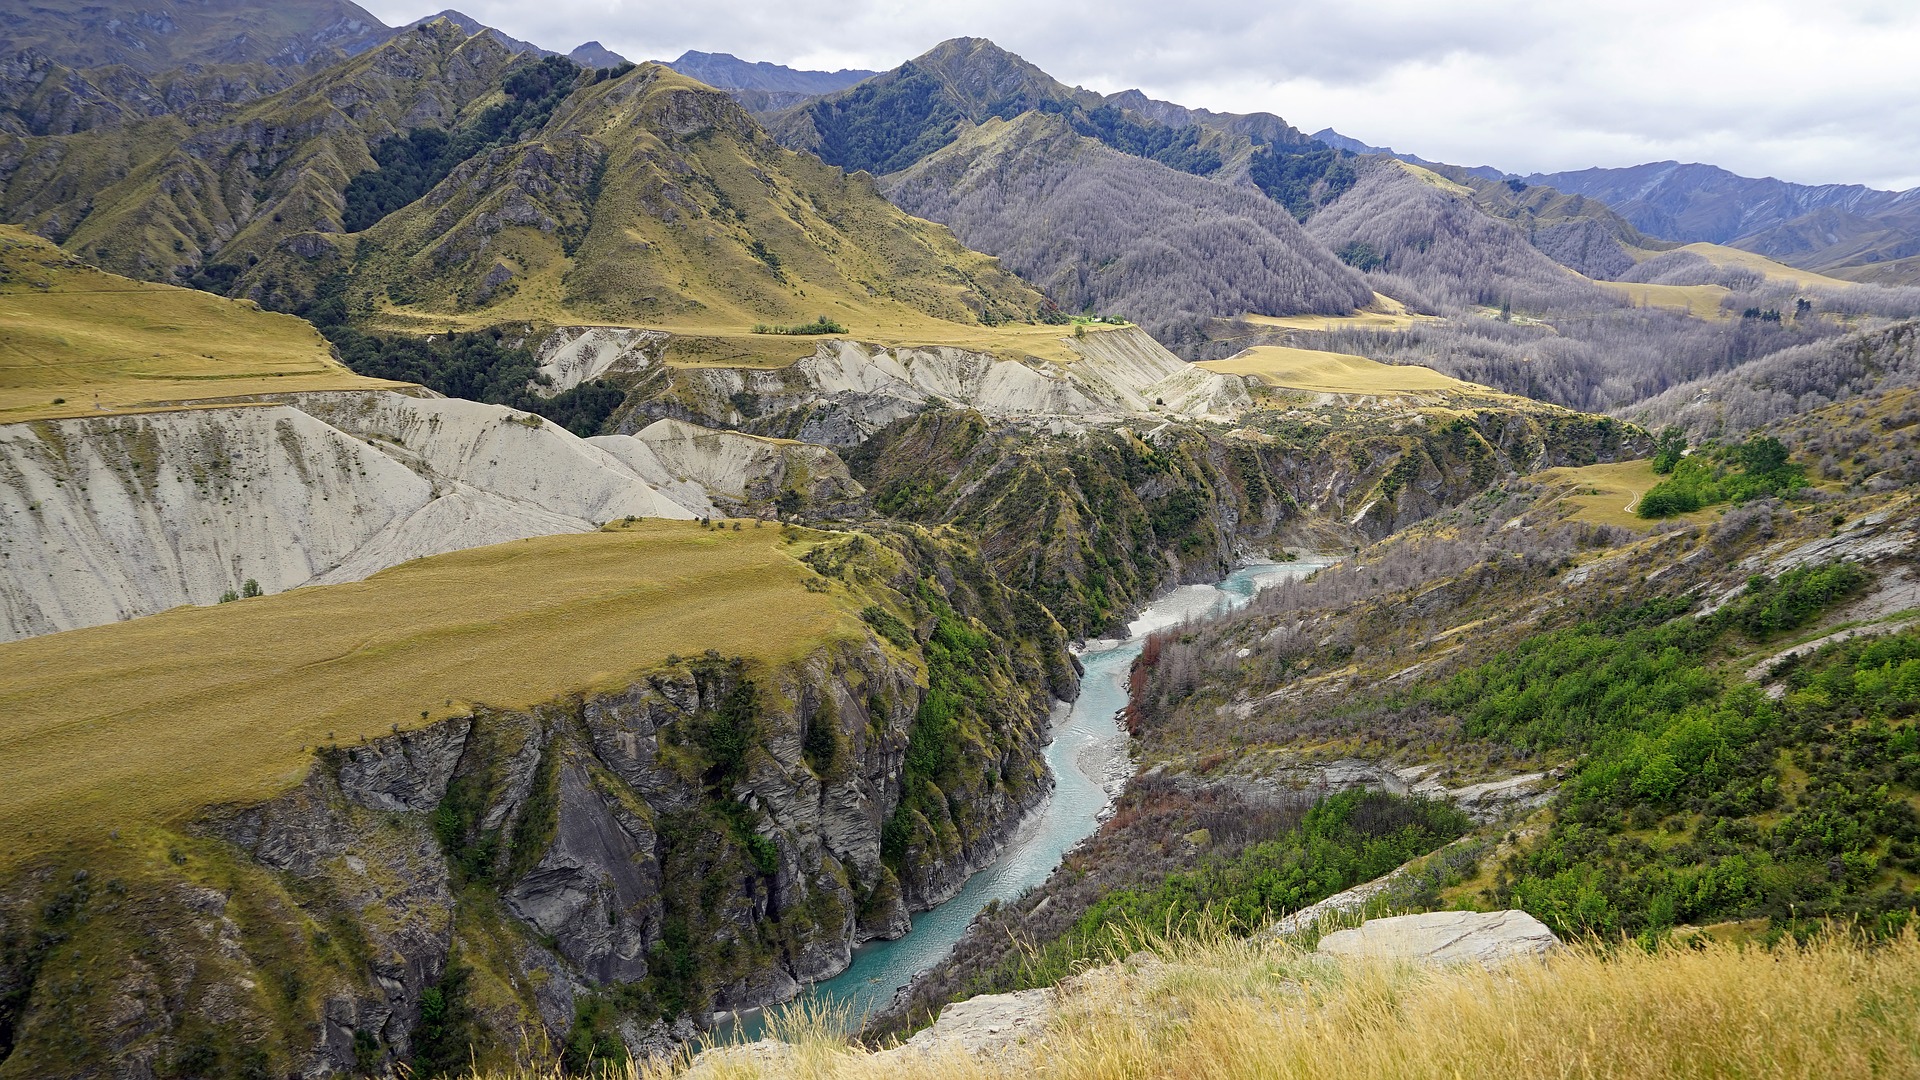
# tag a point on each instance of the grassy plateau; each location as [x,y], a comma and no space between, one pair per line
[103,343]
[143,722]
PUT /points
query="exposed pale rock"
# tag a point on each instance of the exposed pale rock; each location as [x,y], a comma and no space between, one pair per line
[107,518]
[571,355]
[1445,937]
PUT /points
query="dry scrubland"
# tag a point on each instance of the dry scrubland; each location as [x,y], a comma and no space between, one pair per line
[1241,1009]
[1334,373]
[139,723]
[70,331]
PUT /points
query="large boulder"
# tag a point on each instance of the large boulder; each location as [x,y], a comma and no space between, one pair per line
[1446,937]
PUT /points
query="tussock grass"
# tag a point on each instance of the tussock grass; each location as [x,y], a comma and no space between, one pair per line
[1700,301]
[106,343]
[139,723]
[1262,1009]
[1336,373]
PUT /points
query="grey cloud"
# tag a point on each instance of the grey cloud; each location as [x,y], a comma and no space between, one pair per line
[1762,87]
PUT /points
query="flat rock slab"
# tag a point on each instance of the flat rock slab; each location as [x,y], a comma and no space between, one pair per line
[1446,937]
[991,1025]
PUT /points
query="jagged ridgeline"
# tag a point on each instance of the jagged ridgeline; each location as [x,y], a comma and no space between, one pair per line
[1170,216]
[346,828]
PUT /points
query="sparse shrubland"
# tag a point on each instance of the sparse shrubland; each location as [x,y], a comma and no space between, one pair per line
[1792,381]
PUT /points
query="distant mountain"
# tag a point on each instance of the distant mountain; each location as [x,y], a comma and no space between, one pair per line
[724,71]
[898,117]
[1171,216]
[592,54]
[471,26]
[1109,232]
[1355,146]
[1844,230]
[284,33]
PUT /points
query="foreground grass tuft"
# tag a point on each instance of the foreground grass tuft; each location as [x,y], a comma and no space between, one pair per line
[1260,1008]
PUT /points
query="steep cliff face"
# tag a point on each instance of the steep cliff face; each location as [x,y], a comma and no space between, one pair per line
[605,870]
[1094,521]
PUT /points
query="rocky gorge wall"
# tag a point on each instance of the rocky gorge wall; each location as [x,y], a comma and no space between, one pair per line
[603,872]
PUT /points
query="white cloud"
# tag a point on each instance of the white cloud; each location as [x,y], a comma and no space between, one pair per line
[1815,93]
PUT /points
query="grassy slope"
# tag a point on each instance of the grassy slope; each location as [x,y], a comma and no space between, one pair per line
[109,344]
[141,722]
[1386,313]
[1336,373]
[694,222]
[1606,494]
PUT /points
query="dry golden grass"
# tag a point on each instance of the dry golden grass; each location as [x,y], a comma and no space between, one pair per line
[1606,494]
[1262,1011]
[1781,273]
[109,344]
[1385,313]
[1700,301]
[1335,373]
[141,722]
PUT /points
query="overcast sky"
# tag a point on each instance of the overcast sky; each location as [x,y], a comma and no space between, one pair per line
[1815,91]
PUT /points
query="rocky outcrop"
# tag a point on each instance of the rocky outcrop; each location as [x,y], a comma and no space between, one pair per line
[571,355]
[1445,937]
[848,390]
[108,518]
[751,474]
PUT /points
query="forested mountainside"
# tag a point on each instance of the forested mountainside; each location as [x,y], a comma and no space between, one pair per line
[1123,234]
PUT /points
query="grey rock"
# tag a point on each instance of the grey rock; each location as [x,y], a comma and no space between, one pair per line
[1446,937]
[596,890]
